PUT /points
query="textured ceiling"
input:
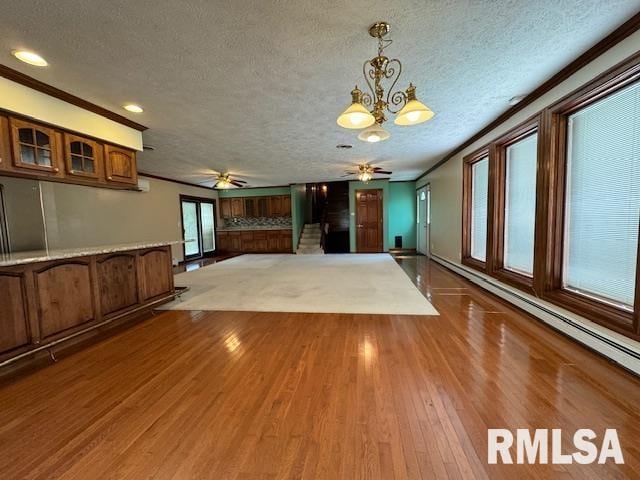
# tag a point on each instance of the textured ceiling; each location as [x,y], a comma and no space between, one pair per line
[255,87]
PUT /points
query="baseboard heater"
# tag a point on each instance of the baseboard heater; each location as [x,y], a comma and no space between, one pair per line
[599,343]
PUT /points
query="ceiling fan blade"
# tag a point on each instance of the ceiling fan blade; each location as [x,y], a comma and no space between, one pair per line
[384,172]
[236,183]
[240,181]
[348,174]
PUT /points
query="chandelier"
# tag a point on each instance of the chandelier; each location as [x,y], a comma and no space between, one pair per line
[404,104]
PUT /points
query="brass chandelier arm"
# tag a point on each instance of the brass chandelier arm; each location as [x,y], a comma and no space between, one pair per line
[368,76]
[398,98]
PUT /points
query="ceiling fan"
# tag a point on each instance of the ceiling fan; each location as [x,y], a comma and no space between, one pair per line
[224,180]
[366,172]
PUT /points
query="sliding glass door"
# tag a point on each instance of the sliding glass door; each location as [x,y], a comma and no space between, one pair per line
[198,226]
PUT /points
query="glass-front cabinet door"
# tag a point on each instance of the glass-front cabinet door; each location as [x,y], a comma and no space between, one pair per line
[82,157]
[34,146]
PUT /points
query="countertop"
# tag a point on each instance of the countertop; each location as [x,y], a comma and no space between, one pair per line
[257,227]
[21,258]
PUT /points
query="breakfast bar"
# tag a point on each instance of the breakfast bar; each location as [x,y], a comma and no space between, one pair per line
[47,297]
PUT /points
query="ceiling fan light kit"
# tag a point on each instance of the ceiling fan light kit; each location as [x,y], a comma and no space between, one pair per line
[404,104]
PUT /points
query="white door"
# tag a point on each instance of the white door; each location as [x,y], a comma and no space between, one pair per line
[422,214]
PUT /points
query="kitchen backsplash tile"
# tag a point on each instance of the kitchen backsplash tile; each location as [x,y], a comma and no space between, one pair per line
[241,222]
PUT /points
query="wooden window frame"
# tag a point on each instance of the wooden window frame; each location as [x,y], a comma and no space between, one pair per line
[496,267]
[553,191]
[467,200]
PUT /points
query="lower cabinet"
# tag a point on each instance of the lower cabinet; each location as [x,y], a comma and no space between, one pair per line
[255,241]
[117,282]
[64,296]
[45,301]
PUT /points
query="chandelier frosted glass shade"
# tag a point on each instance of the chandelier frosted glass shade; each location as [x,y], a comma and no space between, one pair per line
[356,116]
[412,113]
[373,134]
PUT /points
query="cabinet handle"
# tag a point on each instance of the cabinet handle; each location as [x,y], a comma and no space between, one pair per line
[109,178]
[56,169]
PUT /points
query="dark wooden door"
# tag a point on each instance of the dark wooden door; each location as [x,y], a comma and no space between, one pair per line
[369,221]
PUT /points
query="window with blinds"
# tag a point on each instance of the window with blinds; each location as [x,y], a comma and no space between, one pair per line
[479,197]
[520,205]
[602,200]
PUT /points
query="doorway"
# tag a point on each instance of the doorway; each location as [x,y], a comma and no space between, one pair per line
[369,220]
[423,220]
[198,226]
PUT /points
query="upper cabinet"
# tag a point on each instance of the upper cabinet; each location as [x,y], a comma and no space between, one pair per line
[286,206]
[34,147]
[120,165]
[237,207]
[82,157]
[30,149]
[225,208]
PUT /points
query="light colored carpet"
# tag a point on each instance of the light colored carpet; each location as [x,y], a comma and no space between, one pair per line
[363,283]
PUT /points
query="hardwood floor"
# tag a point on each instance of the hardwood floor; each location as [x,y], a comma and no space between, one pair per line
[237,395]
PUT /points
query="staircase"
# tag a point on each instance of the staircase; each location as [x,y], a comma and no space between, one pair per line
[310,240]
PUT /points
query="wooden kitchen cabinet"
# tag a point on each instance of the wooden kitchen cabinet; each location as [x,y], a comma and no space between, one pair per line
[285,206]
[34,148]
[49,300]
[250,207]
[83,157]
[222,241]
[235,242]
[225,208]
[237,207]
[275,206]
[120,165]
[262,206]
[5,144]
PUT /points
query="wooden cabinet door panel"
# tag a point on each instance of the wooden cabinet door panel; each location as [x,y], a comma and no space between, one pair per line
[222,241]
[275,206]
[34,147]
[65,297]
[156,272]
[120,165]
[250,208]
[285,209]
[262,207]
[285,241]
[83,158]
[273,240]
[118,282]
[369,221]
[14,322]
[247,242]
[260,243]
[5,142]
[235,242]
[237,207]
[225,208]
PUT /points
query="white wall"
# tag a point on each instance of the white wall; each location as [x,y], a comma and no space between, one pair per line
[79,216]
[446,181]
[17,98]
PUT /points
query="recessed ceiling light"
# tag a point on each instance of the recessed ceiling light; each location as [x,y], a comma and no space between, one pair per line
[132,107]
[516,100]
[29,57]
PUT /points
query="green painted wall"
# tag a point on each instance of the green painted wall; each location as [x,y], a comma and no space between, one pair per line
[353,186]
[398,212]
[298,205]
[402,213]
[254,192]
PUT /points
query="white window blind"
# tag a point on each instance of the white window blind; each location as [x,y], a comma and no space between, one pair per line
[603,198]
[520,205]
[479,197]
